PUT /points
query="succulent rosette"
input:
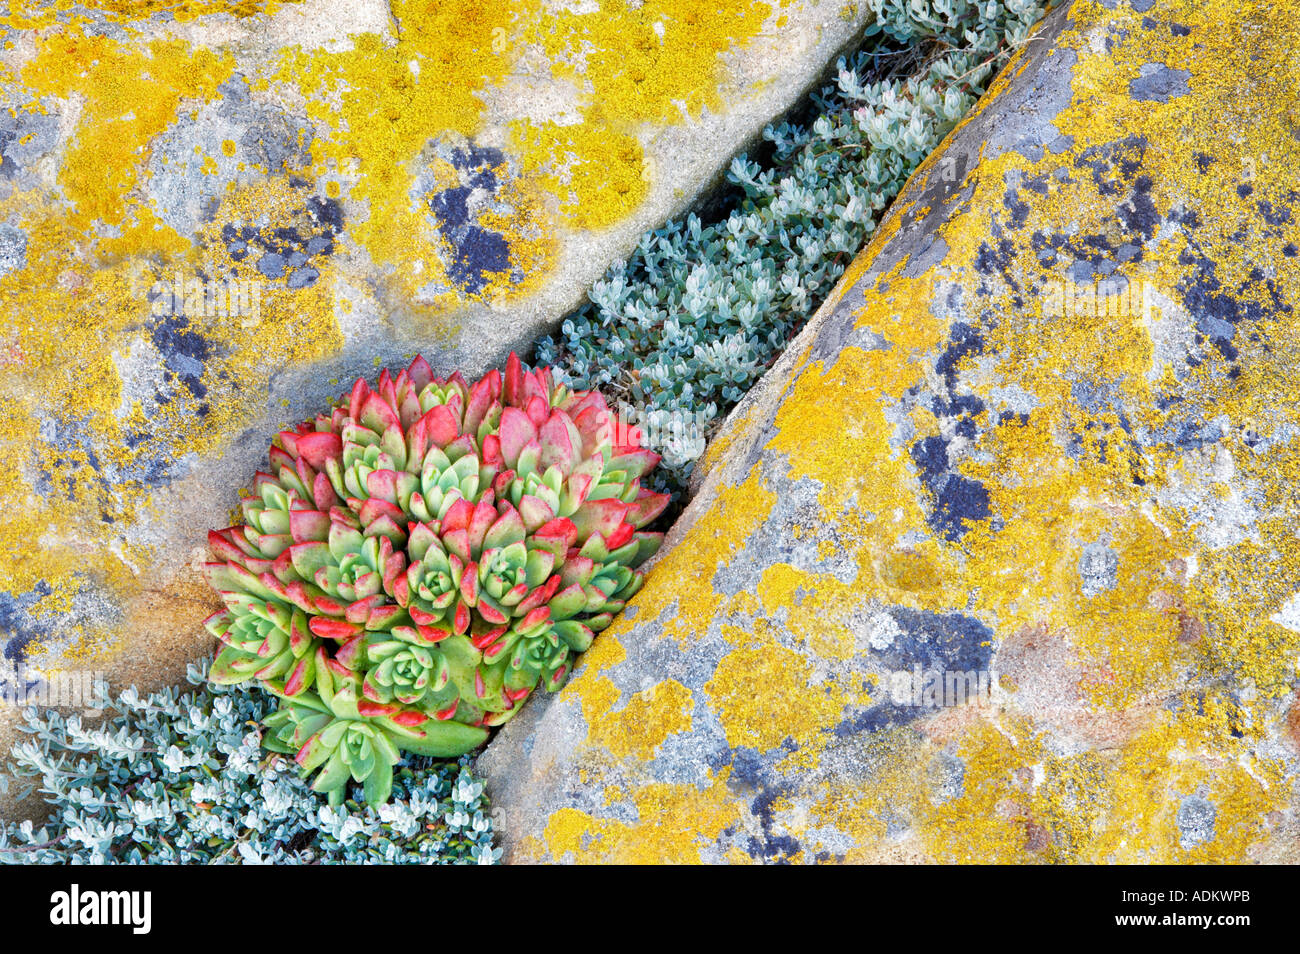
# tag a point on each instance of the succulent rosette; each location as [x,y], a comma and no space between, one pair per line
[338,732]
[422,558]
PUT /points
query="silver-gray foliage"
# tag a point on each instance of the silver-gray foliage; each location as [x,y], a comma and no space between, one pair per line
[181,777]
[686,326]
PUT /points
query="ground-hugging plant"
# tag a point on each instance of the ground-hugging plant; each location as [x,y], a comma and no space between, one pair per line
[682,329]
[424,556]
[181,778]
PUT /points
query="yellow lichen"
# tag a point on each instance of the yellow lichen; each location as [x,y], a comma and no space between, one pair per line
[640,727]
[1189,609]
[674,823]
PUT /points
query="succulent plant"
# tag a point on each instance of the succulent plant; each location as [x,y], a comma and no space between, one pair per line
[422,558]
[339,731]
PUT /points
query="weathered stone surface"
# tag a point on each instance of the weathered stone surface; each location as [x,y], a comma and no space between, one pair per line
[366,179]
[952,469]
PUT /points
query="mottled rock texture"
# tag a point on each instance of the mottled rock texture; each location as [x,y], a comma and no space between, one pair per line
[214,214]
[970,463]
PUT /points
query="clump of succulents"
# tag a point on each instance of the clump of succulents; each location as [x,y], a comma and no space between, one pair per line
[181,778]
[683,328]
[424,556]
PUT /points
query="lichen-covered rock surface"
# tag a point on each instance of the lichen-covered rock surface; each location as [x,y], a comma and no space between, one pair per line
[211,213]
[969,463]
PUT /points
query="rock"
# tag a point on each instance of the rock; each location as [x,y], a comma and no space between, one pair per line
[212,222]
[1196,819]
[977,464]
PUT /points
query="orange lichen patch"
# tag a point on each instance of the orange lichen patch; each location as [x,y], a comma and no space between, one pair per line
[636,64]
[985,823]
[820,602]
[1242,638]
[598,177]
[533,242]
[35,14]
[385,102]
[68,302]
[645,60]
[129,95]
[53,538]
[764,694]
[674,823]
[297,326]
[689,571]
[1292,723]
[1126,627]
[605,653]
[640,727]
[833,455]
[740,421]
[1159,768]
[39,544]
[598,696]
[65,302]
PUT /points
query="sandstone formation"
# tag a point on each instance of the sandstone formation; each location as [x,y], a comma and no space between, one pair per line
[1044,441]
[214,214]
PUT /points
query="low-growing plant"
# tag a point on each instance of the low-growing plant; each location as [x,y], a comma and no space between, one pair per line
[422,558]
[181,778]
[682,329]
